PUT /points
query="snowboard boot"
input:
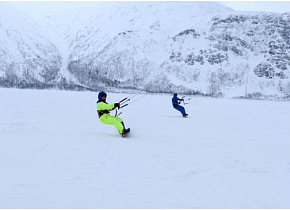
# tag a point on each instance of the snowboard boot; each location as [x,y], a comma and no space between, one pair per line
[125,131]
[185,115]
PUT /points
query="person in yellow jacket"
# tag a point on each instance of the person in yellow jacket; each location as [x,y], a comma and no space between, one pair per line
[103,109]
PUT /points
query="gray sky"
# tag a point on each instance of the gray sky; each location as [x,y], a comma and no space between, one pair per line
[264,6]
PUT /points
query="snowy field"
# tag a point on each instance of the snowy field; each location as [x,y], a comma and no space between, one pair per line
[54,153]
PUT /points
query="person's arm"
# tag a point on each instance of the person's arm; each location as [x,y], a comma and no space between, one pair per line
[104,106]
[180,99]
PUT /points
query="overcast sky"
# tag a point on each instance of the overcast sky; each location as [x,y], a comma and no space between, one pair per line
[264,6]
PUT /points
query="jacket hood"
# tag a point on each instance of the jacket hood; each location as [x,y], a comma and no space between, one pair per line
[101,94]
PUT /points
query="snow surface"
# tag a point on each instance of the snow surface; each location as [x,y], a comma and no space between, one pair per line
[55,153]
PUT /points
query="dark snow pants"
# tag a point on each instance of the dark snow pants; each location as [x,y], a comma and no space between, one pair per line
[180,108]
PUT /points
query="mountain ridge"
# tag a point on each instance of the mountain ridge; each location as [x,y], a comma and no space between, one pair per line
[207,49]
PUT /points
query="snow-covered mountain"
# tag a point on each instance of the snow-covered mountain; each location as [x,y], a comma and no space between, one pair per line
[189,47]
[26,55]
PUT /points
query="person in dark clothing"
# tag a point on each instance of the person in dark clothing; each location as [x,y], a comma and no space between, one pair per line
[176,102]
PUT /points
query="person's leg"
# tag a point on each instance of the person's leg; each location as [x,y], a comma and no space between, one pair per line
[117,121]
[121,121]
[181,109]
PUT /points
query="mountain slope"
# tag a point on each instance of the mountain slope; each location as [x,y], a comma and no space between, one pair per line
[25,51]
[214,53]
[128,42]
[191,47]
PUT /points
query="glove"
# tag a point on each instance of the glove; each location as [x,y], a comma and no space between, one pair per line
[178,102]
[117,105]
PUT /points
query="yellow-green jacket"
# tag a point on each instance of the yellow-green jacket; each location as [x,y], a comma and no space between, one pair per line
[104,108]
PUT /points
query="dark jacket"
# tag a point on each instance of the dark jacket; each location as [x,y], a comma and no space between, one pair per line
[175,100]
